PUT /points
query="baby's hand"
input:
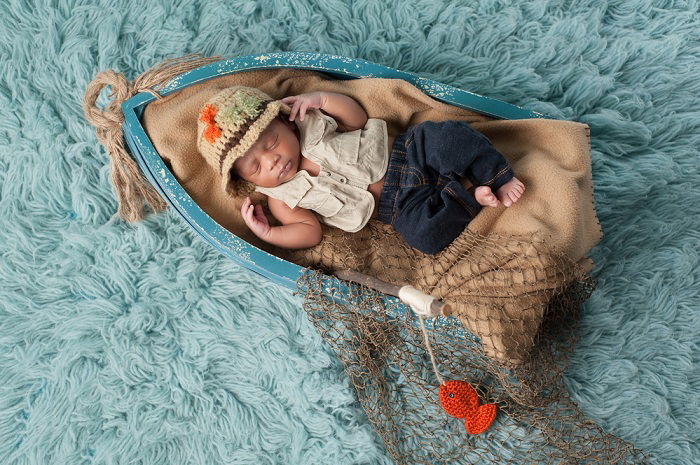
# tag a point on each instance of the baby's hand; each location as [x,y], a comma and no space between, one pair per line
[254,217]
[302,102]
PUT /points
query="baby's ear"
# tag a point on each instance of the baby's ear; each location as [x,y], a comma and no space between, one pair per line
[239,187]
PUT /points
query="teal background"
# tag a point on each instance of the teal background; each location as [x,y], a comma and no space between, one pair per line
[124,343]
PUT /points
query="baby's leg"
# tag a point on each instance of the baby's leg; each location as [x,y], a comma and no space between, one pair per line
[430,218]
[454,149]
[487,166]
[473,156]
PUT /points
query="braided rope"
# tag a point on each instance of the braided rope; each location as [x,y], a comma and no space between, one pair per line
[130,186]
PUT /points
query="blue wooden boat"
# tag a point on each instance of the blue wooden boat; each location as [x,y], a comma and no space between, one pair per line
[274,268]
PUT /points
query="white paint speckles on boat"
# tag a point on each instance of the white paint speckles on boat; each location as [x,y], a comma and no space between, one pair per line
[436,89]
[173,84]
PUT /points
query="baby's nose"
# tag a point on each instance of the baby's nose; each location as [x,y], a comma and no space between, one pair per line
[272,161]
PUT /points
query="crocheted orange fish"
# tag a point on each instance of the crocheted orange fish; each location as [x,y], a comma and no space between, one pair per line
[460,400]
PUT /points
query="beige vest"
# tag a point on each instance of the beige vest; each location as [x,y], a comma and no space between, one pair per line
[349,161]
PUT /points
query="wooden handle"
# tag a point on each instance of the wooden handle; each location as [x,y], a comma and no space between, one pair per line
[436,307]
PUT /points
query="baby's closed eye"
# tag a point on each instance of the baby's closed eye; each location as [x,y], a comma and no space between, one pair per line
[274,143]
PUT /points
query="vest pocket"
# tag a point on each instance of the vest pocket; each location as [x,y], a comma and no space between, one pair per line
[346,145]
[329,205]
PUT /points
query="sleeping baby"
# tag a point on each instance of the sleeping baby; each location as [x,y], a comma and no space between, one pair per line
[319,154]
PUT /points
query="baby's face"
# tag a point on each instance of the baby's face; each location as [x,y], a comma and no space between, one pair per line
[275,156]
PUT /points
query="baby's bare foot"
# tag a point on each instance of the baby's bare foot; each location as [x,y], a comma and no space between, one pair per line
[485,197]
[510,192]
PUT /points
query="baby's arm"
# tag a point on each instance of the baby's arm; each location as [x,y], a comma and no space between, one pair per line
[345,110]
[300,229]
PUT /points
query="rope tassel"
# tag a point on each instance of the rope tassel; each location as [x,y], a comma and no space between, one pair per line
[131,188]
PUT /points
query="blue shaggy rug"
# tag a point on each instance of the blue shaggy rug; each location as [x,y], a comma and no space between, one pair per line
[140,344]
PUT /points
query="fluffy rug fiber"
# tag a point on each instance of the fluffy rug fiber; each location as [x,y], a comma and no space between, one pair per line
[140,343]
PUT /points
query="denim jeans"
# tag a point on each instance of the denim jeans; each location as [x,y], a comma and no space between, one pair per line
[422,197]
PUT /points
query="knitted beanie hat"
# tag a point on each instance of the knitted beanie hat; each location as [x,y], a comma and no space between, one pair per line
[230,123]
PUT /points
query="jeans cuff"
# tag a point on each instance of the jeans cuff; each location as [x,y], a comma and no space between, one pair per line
[464,197]
[505,175]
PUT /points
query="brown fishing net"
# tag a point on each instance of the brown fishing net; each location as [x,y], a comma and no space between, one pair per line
[495,286]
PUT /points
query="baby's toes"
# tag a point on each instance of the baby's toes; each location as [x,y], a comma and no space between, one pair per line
[514,196]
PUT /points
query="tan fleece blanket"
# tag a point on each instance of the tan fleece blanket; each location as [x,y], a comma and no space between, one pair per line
[550,156]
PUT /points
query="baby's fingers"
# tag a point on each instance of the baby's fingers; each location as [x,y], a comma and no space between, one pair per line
[248,213]
[302,111]
[293,111]
[247,210]
[260,214]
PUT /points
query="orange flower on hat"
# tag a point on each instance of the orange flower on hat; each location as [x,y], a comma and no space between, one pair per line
[212,132]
